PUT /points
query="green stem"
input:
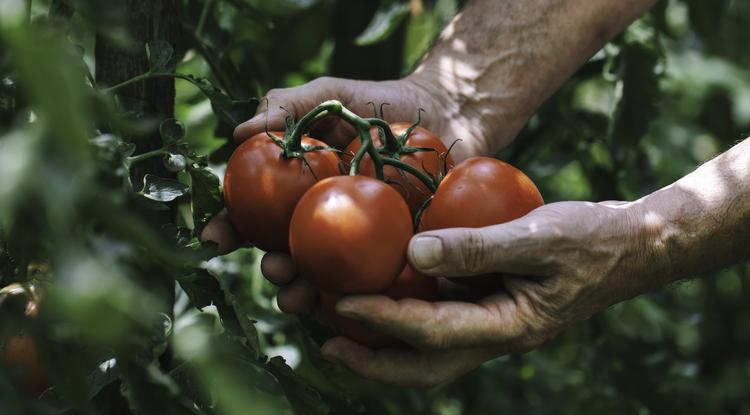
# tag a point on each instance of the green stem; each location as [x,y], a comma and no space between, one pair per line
[369,146]
[294,141]
[363,149]
[146,76]
[202,19]
[293,144]
[411,170]
[390,141]
[145,156]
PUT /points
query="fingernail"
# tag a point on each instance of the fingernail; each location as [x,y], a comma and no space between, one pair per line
[329,354]
[426,252]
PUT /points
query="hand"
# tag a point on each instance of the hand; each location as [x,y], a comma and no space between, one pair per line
[578,258]
[405,97]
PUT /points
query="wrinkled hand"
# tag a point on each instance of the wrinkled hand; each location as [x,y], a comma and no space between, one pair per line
[578,258]
[405,97]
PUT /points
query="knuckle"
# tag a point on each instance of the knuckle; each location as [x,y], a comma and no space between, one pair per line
[474,255]
[275,93]
[429,339]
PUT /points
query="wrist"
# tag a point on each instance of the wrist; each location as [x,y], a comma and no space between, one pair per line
[485,118]
[656,241]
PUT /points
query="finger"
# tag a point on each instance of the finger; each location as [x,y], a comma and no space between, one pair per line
[220,230]
[272,119]
[404,366]
[441,325]
[278,268]
[521,247]
[297,297]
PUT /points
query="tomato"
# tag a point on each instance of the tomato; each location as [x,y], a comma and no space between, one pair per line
[409,284]
[20,353]
[349,235]
[262,187]
[480,191]
[411,188]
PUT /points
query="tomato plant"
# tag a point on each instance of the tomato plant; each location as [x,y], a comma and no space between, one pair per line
[480,191]
[434,163]
[262,187]
[349,234]
[409,284]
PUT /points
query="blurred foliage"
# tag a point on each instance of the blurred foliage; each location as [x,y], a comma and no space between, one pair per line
[137,317]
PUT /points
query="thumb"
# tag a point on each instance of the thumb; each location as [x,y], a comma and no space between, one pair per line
[464,252]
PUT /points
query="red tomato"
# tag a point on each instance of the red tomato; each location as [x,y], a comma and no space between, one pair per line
[262,187]
[480,191]
[409,284]
[412,189]
[349,235]
[21,354]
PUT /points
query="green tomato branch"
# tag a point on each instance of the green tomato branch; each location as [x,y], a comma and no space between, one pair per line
[292,145]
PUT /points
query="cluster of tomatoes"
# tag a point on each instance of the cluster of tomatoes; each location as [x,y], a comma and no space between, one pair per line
[348,234]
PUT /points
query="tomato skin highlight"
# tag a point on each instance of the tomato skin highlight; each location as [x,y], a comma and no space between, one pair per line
[262,187]
[349,234]
[479,192]
[409,284]
[411,188]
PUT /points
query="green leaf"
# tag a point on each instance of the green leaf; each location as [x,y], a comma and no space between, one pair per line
[304,398]
[159,55]
[386,19]
[161,189]
[171,131]
[207,200]
[149,390]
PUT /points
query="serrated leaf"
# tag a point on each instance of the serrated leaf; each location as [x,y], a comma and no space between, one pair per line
[220,102]
[386,20]
[159,53]
[161,189]
[207,200]
[304,398]
[202,288]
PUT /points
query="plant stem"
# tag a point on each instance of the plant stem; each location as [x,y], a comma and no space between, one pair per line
[411,170]
[145,156]
[363,149]
[294,141]
[202,19]
[390,142]
[146,76]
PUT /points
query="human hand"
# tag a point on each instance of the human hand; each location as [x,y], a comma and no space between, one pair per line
[405,97]
[577,259]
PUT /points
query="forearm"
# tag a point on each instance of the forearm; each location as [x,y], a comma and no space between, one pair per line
[701,222]
[498,60]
